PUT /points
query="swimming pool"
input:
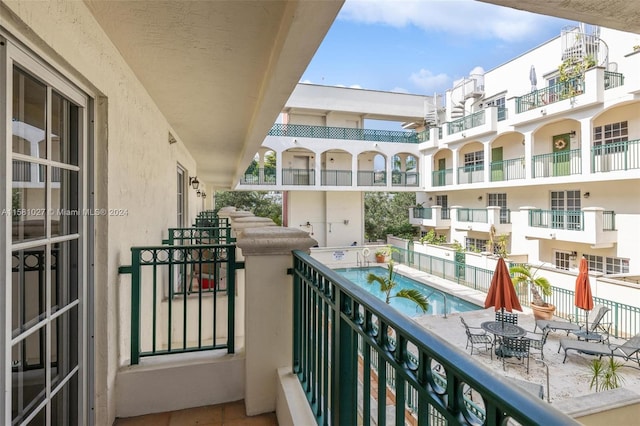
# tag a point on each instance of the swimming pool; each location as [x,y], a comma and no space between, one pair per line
[407,307]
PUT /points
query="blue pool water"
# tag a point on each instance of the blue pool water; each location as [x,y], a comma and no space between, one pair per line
[407,307]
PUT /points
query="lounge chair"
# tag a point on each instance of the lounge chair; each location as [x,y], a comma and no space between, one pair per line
[629,350]
[595,322]
[477,336]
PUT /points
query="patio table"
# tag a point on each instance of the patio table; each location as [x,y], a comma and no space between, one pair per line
[503,329]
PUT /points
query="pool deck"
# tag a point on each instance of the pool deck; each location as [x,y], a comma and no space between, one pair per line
[568,382]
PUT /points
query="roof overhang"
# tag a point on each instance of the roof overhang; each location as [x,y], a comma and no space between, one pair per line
[219,71]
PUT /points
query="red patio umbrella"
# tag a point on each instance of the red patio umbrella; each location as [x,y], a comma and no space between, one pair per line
[502,295]
[583,297]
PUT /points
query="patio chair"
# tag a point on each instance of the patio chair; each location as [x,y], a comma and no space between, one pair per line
[595,322]
[507,317]
[538,340]
[517,347]
[629,350]
[477,336]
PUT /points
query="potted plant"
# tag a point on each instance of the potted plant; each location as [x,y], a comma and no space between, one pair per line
[523,275]
[383,252]
[387,283]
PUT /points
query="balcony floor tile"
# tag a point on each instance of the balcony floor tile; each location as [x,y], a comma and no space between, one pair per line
[229,414]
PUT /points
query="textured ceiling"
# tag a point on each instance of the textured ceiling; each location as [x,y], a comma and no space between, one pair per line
[618,14]
[219,70]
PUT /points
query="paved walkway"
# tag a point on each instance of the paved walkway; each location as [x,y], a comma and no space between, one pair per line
[567,380]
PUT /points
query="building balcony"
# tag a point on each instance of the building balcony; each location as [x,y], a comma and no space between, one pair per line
[593,225]
[324,132]
[471,174]
[482,220]
[442,177]
[555,164]
[618,156]
[507,170]
[559,98]
[433,217]
[475,125]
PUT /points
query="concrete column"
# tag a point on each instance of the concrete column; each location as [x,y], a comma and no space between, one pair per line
[268,308]
[454,165]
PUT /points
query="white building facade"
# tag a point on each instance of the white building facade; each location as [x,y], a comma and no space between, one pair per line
[526,152]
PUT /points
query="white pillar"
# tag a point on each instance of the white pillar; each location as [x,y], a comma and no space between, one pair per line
[269,309]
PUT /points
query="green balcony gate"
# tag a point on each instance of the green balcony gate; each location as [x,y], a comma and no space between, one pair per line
[171,311]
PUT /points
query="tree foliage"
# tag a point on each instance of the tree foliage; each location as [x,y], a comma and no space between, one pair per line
[388,213]
[260,203]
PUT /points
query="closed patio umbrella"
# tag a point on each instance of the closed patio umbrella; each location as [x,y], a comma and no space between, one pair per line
[502,295]
[583,297]
[533,78]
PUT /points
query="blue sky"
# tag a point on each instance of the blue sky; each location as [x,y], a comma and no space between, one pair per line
[422,46]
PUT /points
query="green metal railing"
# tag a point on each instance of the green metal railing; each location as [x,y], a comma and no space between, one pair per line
[424,136]
[502,113]
[473,215]
[298,177]
[370,178]
[511,169]
[336,177]
[470,121]
[323,132]
[615,156]
[399,178]
[162,324]
[442,177]
[561,163]
[332,318]
[625,319]
[571,220]
[471,174]
[259,177]
[209,221]
[549,95]
[199,235]
[613,79]
[422,213]
[608,220]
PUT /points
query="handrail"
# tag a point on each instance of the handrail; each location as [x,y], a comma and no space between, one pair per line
[332,316]
[444,295]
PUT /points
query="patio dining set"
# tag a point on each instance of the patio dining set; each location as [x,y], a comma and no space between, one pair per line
[507,339]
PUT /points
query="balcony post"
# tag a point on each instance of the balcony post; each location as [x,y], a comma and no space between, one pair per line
[268,308]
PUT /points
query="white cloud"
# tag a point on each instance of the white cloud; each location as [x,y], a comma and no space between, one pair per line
[430,82]
[355,86]
[399,90]
[458,17]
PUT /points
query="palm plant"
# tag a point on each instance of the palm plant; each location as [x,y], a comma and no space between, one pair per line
[387,283]
[523,275]
[605,377]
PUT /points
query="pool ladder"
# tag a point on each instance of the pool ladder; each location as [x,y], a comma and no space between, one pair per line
[444,296]
[361,262]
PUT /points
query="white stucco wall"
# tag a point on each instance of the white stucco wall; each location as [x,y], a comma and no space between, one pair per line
[326,213]
[135,166]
